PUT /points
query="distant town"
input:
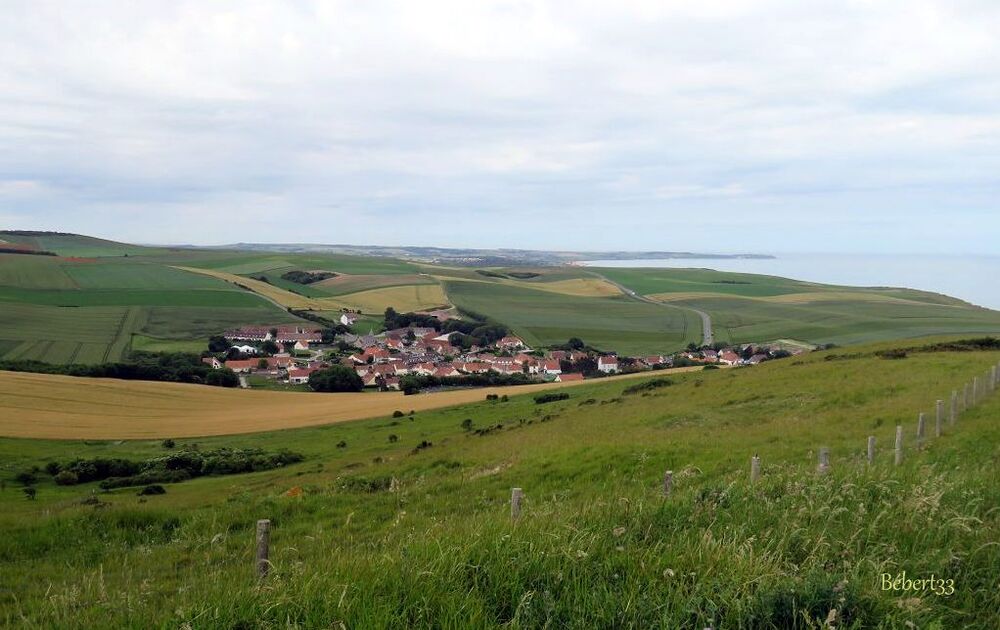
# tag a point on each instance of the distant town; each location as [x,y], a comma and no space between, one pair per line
[290,355]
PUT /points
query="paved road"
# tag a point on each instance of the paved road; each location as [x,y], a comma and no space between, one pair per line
[707,338]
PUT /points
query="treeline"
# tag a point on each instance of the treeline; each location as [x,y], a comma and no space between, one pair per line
[175,367]
[171,468]
[307,277]
[475,330]
[30,252]
[413,383]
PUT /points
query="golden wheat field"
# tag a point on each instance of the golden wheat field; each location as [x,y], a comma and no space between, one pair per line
[68,407]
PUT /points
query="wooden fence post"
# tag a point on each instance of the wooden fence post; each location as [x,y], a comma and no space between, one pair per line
[975,390]
[953,413]
[938,417]
[263,563]
[824,461]
[921,429]
[668,482]
[993,378]
[966,401]
[754,468]
[871,449]
[899,444]
[516,494]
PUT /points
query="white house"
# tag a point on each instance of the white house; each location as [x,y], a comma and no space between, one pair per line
[348,319]
[608,365]
[246,349]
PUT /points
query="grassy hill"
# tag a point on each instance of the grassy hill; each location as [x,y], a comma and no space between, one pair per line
[370,532]
[749,307]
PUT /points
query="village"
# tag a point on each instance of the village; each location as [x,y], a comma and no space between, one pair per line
[291,354]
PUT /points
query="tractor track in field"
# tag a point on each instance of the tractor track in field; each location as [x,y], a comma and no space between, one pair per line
[706,320]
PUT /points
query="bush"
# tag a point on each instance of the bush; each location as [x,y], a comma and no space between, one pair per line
[342,444]
[52,468]
[398,414]
[152,489]
[26,478]
[467,424]
[168,443]
[66,478]
[541,399]
[337,378]
[393,438]
[30,493]
[650,385]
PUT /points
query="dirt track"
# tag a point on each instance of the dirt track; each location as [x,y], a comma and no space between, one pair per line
[66,407]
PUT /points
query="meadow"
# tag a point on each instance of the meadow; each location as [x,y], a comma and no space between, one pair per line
[370,532]
[546,317]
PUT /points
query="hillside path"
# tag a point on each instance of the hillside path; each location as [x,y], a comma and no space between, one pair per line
[706,320]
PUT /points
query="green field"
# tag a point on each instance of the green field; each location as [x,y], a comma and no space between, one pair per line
[545,318]
[843,322]
[387,537]
[67,335]
[648,281]
[80,246]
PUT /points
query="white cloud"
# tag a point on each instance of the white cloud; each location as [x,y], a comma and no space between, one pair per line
[535,111]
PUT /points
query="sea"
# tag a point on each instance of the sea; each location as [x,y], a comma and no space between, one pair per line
[973,278]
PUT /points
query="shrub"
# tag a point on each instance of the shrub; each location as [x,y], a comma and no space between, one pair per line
[342,444]
[467,424]
[647,386]
[152,489]
[393,438]
[168,443]
[66,478]
[397,414]
[424,444]
[26,478]
[52,468]
[337,378]
[30,493]
[541,399]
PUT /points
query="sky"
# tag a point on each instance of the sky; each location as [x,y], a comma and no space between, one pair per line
[724,126]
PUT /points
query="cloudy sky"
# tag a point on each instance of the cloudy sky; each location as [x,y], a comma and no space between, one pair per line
[728,125]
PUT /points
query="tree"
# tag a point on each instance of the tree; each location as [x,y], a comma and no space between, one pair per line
[575,343]
[337,378]
[410,384]
[269,347]
[218,343]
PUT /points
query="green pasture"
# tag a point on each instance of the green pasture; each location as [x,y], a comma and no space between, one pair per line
[649,281]
[208,298]
[67,335]
[847,321]
[386,536]
[245,263]
[545,318]
[37,272]
[80,246]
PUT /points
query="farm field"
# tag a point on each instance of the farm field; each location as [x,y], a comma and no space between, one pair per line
[66,407]
[67,335]
[545,317]
[78,245]
[378,534]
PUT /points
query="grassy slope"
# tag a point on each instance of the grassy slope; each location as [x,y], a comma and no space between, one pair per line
[596,547]
[748,307]
[543,317]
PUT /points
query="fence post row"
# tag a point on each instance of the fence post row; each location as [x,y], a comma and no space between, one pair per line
[263,562]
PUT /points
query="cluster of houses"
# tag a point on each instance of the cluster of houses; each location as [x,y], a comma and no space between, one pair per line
[381,360]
